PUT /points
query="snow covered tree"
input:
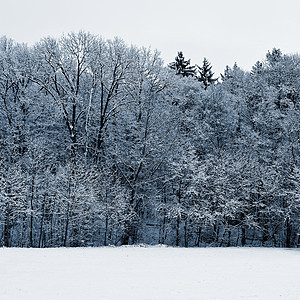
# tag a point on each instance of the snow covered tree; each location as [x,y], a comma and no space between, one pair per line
[205,75]
[182,66]
[101,144]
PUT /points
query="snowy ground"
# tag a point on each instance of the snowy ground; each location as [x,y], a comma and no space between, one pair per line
[149,273]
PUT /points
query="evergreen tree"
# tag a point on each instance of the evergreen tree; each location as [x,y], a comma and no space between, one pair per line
[274,57]
[257,69]
[182,66]
[100,144]
[205,74]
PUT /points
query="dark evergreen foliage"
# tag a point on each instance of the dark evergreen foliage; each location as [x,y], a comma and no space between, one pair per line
[182,66]
[205,74]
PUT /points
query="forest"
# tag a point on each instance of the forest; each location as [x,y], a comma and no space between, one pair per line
[103,144]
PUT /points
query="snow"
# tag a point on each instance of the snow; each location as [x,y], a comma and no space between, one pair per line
[149,273]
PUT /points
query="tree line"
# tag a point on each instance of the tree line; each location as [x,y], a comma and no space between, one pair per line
[101,144]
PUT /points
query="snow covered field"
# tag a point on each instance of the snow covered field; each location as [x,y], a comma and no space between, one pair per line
[149,273]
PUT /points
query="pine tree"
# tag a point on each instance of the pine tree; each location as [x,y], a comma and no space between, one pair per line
[274,57]
[205,74]
[257,69]
[182,66]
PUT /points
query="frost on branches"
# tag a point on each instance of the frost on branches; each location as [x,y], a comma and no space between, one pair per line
[101,144]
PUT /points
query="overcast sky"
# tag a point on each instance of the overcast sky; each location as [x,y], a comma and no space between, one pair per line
[223,31]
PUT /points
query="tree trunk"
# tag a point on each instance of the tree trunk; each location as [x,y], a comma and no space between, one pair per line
[41,224]
[199,236]
[229,237]
[186,225]
[243,236]
[288,239]
[31,213]
[67,226]
[163,226]
[7,225]
[178,216]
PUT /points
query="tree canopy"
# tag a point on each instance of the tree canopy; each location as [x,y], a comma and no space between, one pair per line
[101,144]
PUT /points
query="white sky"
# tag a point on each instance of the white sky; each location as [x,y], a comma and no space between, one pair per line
[224,31]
